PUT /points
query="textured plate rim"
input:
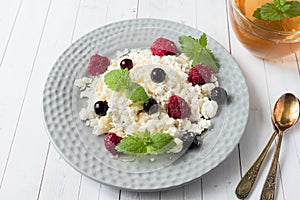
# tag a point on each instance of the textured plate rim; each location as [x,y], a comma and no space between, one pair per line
[167,186]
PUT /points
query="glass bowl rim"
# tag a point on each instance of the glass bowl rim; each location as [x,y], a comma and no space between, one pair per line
[286,33]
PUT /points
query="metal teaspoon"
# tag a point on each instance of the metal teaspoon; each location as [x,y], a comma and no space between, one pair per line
[245,185]
[285,115]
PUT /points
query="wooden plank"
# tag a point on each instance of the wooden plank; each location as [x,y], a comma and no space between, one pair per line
[121,10]
[186,12]
[92,14]
[219,182]
[149,195]
[152,9]
[8,14]
[259,127]
[28,155]
[194,190]
[126,195]
[15,70]
[175,194]
[182,11]
[60,180]
[175,11]
[268,80]
[107,192]
[89,189]
[212,19]
[282,76]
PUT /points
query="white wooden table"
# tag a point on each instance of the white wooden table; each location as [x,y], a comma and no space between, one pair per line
[33,33]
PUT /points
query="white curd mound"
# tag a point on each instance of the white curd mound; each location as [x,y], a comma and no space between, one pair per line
[125,117]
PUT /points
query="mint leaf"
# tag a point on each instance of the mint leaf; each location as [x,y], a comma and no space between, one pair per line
[189,46]
[161,142]
[144,143]
[281,5]
[270,12]
[136,93]
[294,9]
[197,51]
[145,134]
[117,80]
[279,2]
[203,40]
[257,14]
[278,10]
[205,57]
[132,145]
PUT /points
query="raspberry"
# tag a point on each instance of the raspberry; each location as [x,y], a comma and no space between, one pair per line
[163,46]
[200,74]
[110,141]
[178,108]
[98,64]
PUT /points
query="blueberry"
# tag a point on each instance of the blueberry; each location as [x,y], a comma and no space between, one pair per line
[151,107]
[101,108]
[158,75]
[218,94]
[191,141]
[195,143]
[126,63]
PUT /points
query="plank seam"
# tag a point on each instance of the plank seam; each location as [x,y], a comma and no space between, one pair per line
[10,34]
[240,161]
[107,8]
[43,173]
[270,107]
[280,175]
[75,23]
[228,26]
[201,186]
[297,61]
[25,94]
[79,188]
[120,194]
[137,9]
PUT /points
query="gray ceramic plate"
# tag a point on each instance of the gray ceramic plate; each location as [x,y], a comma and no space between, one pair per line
[78,146]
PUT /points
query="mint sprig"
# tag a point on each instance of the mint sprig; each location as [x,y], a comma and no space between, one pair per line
[119,80]
[197,50]
[143,143]
[278,10]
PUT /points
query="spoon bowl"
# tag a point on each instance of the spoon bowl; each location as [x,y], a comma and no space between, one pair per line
[286,112]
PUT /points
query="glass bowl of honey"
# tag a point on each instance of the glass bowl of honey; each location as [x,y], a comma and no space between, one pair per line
[268,39]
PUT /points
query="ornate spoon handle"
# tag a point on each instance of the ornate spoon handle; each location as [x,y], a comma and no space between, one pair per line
[245,185]
[268,192]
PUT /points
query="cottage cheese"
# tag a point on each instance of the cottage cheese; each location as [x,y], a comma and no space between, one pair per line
[125,117]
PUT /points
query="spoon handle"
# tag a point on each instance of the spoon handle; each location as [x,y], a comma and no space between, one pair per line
[268,192]
[245,185]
